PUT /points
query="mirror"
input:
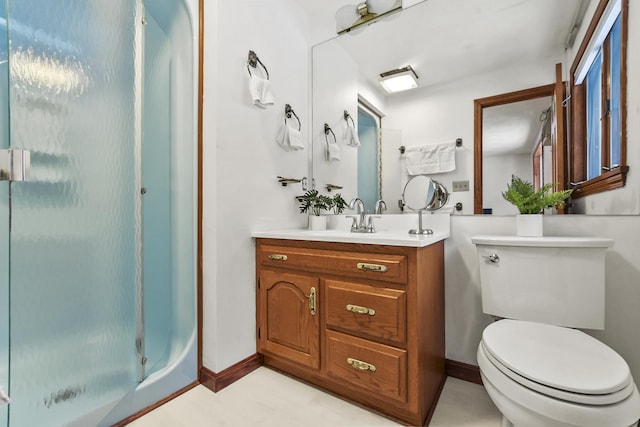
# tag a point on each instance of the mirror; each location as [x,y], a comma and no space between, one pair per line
[421,193]
[458,50]
[418,194]
[515,134]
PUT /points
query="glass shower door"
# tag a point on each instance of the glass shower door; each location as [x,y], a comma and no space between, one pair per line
[4,220]
[75,223]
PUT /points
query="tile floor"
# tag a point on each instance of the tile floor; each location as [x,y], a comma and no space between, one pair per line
[265,398]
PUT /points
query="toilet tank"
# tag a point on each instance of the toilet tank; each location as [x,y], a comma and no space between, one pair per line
[553,280]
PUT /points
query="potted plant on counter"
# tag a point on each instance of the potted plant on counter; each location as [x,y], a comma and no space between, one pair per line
[314,203]
[339,204]
[530,204]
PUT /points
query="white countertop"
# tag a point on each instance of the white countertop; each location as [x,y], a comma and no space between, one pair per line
[392,230]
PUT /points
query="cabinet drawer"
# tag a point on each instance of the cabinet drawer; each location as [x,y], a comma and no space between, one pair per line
[370,266]
[366,310]
[369,366]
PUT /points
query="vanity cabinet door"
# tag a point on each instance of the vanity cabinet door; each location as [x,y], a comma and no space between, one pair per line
[288,319]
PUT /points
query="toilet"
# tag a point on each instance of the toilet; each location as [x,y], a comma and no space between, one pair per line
[538,370]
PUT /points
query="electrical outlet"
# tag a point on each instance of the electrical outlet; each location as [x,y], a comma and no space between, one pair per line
[460,186]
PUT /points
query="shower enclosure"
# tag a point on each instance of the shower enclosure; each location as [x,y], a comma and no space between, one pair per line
[97,207]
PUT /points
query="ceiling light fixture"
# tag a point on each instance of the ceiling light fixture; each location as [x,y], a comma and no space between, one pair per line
[351,16]
[398,80]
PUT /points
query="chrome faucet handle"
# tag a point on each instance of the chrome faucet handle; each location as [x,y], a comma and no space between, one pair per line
[354,223]
[380,207]
[370,227]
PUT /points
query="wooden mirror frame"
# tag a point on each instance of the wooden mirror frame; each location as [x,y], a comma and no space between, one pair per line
[556,90]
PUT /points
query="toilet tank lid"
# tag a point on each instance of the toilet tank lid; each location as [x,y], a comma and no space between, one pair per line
[562,358]
[544,241]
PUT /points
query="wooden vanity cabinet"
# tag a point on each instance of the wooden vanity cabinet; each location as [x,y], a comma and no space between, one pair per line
[365,322]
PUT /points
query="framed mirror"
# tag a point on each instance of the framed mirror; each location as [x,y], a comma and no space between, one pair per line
[518,133]
[458,50]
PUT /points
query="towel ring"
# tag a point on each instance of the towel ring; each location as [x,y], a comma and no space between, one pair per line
[253,61]
[327,130]
[288,111]
[348,117]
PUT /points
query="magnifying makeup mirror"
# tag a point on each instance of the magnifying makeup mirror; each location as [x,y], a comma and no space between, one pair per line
[422,193]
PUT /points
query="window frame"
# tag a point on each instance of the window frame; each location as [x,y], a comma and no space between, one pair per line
[615,177]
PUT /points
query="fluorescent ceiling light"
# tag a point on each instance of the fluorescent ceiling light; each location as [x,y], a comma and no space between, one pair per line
[399,80]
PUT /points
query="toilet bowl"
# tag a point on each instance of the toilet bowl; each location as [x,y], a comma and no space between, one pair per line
[543,375]
[538,370]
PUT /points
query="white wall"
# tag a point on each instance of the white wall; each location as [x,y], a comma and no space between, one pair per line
[336,74]
[501,168]
[242,159]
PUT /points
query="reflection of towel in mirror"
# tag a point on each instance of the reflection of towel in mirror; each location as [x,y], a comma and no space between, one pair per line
[295,139]
[433,158]
[260,91]
[351,136]
[333,152]
[288,138]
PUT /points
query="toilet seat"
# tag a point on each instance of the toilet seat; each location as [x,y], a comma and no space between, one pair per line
[558,362]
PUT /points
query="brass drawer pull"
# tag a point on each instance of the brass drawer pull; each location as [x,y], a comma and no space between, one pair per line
[372,267]
[361,310]
[277,257]
[359,364]
[312,301]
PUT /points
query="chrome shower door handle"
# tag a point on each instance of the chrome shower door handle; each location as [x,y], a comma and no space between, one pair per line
[492,258]
[15,164]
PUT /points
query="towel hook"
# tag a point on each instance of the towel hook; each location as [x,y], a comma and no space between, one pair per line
[348,117]
[288,111]
[327,130]
[253,61]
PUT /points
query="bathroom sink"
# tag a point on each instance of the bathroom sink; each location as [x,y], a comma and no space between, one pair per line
[391,231]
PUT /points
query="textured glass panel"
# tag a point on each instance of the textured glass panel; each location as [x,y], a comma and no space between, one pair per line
[4,219]
[73,237]
[594,102]
[156,158]
[368,163]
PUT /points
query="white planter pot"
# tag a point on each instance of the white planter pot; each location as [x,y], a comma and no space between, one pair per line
[529,225]
[317,223]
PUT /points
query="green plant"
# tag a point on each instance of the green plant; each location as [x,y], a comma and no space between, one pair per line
[522,194]
[339,204]
[314,203]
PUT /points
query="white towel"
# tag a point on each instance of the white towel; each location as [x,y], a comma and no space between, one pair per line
[282,136]
[429,159]
[295,139]
[260,91]
[288,138]
[351,136]
[4,399]
[333,152]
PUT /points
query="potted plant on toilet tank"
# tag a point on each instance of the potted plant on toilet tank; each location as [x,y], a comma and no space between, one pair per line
[530,204]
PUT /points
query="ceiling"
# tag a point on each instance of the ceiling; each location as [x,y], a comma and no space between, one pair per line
[490,33]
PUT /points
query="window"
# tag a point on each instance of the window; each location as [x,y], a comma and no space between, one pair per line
[598,103]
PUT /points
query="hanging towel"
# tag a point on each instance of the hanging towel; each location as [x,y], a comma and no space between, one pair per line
[260,91]
[282,136]
[4,399]
[295,139]
[288,138]
[333,152]
[429,159]
[351,136]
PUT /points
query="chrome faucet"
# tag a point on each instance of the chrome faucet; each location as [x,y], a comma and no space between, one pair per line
[358,204]
[380,206]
